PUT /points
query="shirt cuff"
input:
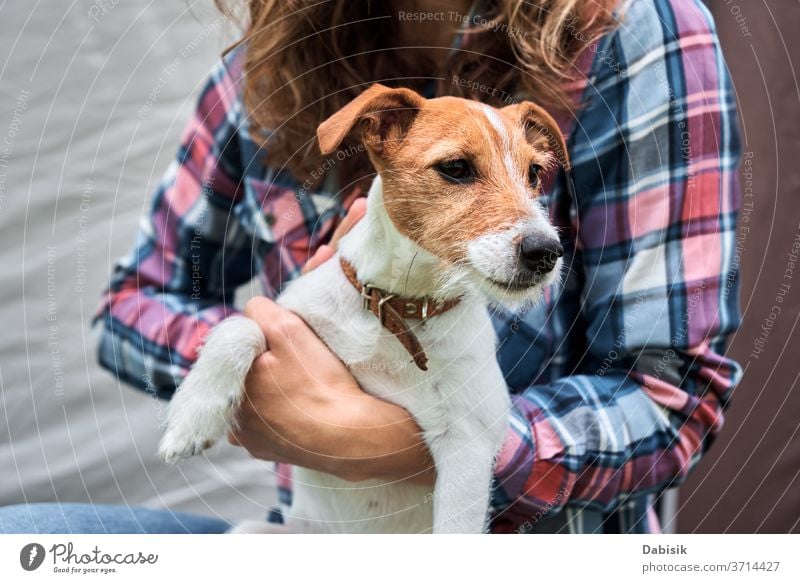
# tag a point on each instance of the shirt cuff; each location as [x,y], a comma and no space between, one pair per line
[515,461]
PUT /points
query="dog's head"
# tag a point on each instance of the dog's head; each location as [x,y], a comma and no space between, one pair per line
[462,180]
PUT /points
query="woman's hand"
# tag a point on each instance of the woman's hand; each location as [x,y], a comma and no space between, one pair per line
[302,406]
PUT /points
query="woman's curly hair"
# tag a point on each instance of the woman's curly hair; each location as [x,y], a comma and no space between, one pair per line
[305,59]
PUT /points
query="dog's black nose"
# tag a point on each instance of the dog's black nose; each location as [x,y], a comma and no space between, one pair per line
[539,253]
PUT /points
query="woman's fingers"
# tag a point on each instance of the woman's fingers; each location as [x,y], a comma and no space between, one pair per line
[260,309]
[324,253]
[287,335]
[285,331]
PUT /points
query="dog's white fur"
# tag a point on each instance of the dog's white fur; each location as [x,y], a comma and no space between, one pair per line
[461,402]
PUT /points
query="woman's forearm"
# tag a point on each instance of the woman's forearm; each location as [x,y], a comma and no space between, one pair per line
[389,446]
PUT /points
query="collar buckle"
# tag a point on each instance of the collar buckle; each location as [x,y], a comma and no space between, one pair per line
[391,316]
[366,296]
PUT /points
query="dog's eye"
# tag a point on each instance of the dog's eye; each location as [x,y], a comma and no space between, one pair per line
[533,175]
[456,170]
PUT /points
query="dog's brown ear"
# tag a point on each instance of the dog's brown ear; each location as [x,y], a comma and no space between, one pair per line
[385,115]
[540,125]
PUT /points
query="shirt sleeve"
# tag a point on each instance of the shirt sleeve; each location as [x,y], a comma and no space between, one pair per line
[655,153]
[190,255]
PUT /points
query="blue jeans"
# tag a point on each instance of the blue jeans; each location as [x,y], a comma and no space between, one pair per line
[100,519]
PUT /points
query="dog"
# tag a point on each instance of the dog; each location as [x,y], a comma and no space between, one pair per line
[454,224]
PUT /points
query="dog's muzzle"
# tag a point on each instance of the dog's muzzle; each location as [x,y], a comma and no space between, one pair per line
[539,254]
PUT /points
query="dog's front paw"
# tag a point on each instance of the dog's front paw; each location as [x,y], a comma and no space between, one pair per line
[202,409]
[194,424]
[177,445]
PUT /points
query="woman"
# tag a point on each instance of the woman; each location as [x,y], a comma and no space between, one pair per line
[619,378]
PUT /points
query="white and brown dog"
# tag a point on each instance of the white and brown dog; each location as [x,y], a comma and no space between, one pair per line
[453,223]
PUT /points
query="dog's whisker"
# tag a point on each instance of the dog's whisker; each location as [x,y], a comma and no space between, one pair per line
[408,273]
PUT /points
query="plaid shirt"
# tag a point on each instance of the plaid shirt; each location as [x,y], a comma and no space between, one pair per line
[618,378]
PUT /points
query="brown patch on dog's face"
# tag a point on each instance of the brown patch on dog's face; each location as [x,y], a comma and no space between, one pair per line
[443,215]
[455,171]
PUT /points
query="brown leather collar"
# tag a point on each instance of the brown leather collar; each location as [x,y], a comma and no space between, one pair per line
[392,311]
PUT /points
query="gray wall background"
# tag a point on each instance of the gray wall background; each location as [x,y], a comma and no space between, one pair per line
[93,98]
